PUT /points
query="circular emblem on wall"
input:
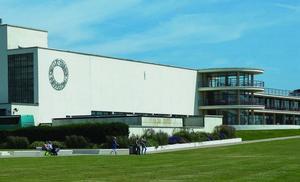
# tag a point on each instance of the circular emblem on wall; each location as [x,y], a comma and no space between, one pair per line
[58,74]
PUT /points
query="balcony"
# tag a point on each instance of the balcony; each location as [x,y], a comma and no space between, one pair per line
[234,83]
[297,109]
[279,92]
[232,104]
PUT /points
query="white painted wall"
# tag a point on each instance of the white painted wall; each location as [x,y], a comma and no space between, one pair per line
[18,36]
[10,38]
[162,122]
[105,84]
[210,122]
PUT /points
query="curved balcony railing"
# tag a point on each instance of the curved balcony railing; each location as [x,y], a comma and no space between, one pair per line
[283,108]
[279,92]
[231,102]
[234,83]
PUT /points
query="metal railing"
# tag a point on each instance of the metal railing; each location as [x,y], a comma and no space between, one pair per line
[234,83]
[232,102]
[279,92]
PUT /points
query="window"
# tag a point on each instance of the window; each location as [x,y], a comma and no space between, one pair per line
[20,78]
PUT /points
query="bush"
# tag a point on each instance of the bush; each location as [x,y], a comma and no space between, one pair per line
[161,138]
[58,144]
[185,134]
[151,142]
[36,144]
[224,131]
[199,136]
[155,139]
[95,133]
[75,141]
[15,142]
[176,139]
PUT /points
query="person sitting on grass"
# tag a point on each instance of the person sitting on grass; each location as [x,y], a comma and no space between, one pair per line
[50,149]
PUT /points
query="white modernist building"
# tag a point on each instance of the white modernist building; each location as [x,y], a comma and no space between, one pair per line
[52,85]
[49,83]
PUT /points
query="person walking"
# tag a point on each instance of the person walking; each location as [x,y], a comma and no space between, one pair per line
[138,146]
[143,144]
[114,146]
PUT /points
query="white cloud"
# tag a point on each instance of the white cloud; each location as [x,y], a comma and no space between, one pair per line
[68,21]
[288,6]
[192,28]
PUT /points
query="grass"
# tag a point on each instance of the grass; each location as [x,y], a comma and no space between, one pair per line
[263,134]
[267,161]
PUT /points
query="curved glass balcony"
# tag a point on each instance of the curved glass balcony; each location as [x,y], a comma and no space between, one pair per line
[234,83]
[231,102]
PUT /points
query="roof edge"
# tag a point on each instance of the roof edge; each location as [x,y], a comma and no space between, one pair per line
[109,57]
[233,69]
[16,26]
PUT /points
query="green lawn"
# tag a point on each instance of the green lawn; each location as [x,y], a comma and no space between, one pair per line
[267,161]
[262,134]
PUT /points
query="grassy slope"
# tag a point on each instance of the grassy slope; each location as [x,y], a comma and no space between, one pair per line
[268,161]
[262,134]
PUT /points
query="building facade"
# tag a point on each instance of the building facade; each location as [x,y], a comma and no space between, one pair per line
[49,83]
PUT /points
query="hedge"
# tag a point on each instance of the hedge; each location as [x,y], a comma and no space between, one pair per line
[95,133]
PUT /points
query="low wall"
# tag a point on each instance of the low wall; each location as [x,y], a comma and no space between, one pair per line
[166,148]
[69,152]
[210,122]
[265,127]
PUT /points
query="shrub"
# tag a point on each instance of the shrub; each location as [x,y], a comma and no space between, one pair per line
[59,144]
[225,131]
[151,142]
[161,138]
[15,142]
[185,134]
[176,139]
[132,139]
[95,133]
[200,136]
[75,141]
[155,139]
[36,144]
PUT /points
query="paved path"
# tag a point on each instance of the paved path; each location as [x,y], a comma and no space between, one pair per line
[270,139]
[229,144]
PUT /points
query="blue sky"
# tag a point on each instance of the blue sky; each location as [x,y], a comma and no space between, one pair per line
[191,33]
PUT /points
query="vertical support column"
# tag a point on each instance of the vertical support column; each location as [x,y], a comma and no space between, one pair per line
[238,79]
[284,119]
[294,119]
[274,119]
[252,117]
[264,119]
[226,80]
[239,116]
[252,80]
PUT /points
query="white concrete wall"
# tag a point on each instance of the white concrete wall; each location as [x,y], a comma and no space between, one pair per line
[17,36]
[162,122]
[210,122]
[105,84]
[10,38]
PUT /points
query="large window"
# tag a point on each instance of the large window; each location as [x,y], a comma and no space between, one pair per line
[20,78]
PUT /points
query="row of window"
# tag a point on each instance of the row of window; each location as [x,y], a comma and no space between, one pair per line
[20,78]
